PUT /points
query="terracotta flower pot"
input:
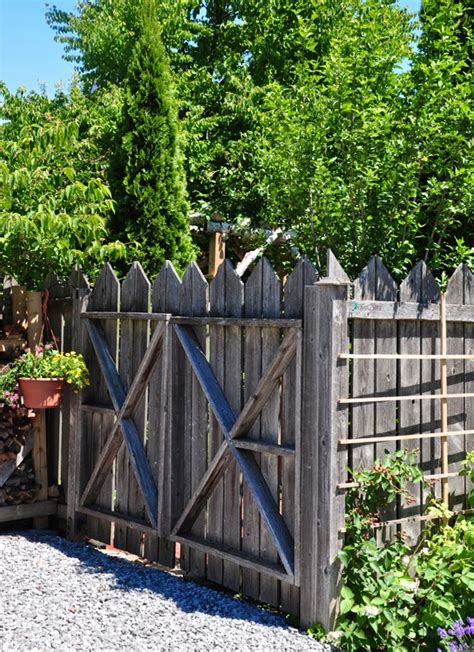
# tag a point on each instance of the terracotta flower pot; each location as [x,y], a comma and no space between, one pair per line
[42,393]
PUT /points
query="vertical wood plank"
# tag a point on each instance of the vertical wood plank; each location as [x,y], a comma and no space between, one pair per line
[323,466]
[161,439]
[457,407]
[56,425]
[377,377]
[262,299]
[468,299]
[303,275]
[76,479]
[430,449]
[418,287]
[104,297]
[135,297]
[363,371]
[223,519]
[40,463]
[194,300]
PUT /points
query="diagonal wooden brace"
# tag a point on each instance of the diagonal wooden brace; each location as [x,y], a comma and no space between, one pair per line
[124,427]
[232,427]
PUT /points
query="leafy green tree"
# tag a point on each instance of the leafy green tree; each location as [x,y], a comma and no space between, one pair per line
[148,173]
[54,201]
[318,116]
[442,104]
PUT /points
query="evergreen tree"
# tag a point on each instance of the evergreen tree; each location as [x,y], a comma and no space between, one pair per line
[147,173]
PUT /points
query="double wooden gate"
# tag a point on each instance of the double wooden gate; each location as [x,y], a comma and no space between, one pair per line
[190,430]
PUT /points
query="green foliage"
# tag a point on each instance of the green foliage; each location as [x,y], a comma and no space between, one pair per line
[54,200]
[394,598]
[147,172]
[346,122]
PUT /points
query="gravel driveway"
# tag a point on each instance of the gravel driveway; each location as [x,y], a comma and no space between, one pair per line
[59,595]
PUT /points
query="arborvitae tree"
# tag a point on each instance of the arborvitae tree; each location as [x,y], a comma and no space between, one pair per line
[147,173]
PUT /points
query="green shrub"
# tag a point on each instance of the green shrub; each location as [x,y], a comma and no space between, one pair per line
[395,598]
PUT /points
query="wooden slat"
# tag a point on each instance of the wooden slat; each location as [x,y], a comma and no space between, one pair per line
[39,509]
[76,457]
[198,321]
[430,377]
[408,397]
[413,289]
[224,507]
[468,299]
[217,359]
[193,303]
[161,423]
[363,369]
[54,422]
[407,310]
[235,557]
[404,356]
[106,294]
[455,411]
[265,447]
[121,520]
[268,395]
[251,522]
[385,372]
[323,466]
[425,435]
[133,356]
[304,274]
[40,462]
[102,409]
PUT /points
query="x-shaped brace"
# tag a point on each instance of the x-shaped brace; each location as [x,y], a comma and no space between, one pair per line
[124,428]
[232,428]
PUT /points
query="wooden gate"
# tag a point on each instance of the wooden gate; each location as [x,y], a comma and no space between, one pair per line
[191,426]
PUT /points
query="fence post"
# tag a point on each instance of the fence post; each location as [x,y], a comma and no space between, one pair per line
[323,466]
[79,303]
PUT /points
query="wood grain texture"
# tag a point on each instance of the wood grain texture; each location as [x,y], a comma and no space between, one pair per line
[165,299]
[59,296]
[135,297]
[457,377]
[224,507]
[323,464]
[303,275]
[75,469]
[193,303]
[378,377]
[418,287]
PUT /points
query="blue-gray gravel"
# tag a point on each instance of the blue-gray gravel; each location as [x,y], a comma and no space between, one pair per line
[58,595]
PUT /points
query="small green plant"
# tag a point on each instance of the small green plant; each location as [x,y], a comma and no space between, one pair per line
[45,362]
[394,598]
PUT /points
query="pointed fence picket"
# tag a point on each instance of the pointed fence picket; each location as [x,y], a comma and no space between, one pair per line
[251,397]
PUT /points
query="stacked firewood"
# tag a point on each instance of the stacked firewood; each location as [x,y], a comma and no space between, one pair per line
[14,428]
[20,486]
[17,483]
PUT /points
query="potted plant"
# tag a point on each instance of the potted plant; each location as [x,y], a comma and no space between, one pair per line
[41,376]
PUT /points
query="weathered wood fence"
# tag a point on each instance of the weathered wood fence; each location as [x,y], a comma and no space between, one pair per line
[223,417]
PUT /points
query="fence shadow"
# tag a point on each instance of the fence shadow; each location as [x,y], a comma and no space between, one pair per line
[129,576]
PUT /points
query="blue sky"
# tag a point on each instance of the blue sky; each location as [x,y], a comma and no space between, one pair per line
[28,53]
